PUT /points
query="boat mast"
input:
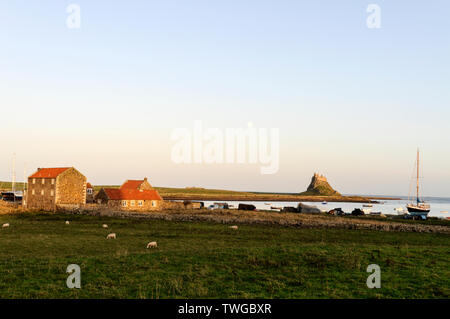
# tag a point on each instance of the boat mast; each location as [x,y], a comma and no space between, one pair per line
[13,177]
[417,176]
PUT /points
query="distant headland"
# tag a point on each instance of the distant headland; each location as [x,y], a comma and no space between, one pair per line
[319,186]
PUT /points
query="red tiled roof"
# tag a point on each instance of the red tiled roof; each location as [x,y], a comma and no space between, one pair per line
[132,194]
[49,172]
[88,185]
[131,184]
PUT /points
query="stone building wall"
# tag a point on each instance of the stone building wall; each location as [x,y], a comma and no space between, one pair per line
[147,205]
[71,188]
[319,177]
[90,197]
[173,205]
[145,185]
[68,187]
[41,194]
[101,197]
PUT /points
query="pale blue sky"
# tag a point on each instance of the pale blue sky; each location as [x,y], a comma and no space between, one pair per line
[350,102]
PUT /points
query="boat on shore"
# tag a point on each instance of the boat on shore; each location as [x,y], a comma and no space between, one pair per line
[10,196]
[419,207]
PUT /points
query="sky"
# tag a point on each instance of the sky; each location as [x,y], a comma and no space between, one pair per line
[351,102]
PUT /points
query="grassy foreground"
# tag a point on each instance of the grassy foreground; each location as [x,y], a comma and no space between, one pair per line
[207,260]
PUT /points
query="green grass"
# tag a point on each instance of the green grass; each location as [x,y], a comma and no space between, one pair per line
[198,190]
[206,260]
[8,185]
[321,190]
[186,190]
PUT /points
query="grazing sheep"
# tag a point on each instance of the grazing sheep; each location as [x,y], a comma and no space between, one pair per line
[5,225]
[152,244]
[111,236]
[234,227]
[67,222]
[105,226]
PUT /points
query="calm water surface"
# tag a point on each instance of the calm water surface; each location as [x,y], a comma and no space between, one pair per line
[440,206]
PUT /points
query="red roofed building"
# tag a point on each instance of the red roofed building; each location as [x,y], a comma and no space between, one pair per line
[133,195]
[50,187]
[137,184]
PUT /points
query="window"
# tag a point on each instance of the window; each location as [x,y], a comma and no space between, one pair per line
[89,191]
[153,203]
[140,203]
[51,193]
[124,203]
[42,192]
[34,180]
[132,203]
[32,192]
[43,181]
[53,181]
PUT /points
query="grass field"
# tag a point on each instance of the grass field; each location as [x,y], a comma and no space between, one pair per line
[8,186]
[209,260]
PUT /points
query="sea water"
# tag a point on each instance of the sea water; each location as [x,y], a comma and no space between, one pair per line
[440,206]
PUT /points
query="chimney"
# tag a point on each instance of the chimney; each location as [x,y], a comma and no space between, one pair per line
[145,179]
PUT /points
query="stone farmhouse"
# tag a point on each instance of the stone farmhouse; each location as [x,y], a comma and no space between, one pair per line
[49,188]
[133,195]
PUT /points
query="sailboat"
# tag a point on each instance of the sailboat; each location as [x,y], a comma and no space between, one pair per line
[419,207]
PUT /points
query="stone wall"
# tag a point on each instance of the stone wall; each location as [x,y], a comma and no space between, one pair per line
[9,207]
[71,188]
[145,185]
[133,205]
[101,197]
[172,205]
[90,197]
[68,187]
[40,194]
[319,178]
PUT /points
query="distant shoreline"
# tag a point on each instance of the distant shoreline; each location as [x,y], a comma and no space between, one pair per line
[205,194]
[274,198]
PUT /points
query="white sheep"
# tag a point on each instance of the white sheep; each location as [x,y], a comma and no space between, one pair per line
[5,225]
[234,227]
[67,222]
[111,236]
[152,244]
[105,226]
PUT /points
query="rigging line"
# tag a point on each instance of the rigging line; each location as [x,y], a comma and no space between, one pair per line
[411,185]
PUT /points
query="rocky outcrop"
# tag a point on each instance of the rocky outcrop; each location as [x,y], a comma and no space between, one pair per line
[319,187]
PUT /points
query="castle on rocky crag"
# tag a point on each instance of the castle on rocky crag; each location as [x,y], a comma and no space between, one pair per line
[318,177]
[319,186]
